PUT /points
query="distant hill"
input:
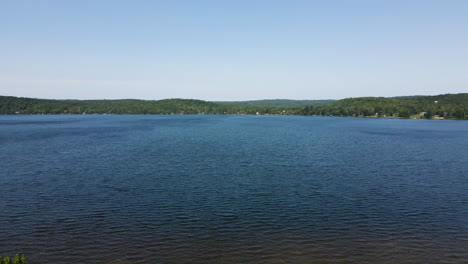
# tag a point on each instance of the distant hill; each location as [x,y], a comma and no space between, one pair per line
[446,106]
[19,105]
[277,103]
[452,106]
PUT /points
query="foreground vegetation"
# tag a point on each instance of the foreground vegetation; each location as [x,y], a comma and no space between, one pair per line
[448,106]
[17,259]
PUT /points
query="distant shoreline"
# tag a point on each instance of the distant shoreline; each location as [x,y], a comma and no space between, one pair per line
[447,106]
[362,117]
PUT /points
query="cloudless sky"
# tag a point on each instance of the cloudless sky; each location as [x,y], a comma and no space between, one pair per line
[232,50]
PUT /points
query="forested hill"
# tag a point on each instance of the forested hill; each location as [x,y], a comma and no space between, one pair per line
[451,106]
[447,106]
[17,105]
[276,103]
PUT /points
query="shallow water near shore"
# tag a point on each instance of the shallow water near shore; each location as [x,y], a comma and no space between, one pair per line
[233,189]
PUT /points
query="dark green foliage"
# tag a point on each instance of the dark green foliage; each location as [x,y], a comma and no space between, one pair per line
[451,106]
[17,259]
[15,105]
[23,259]
[6,260]
[448,106]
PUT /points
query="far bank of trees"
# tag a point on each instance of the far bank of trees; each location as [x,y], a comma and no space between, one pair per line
[448,106]
[15,105]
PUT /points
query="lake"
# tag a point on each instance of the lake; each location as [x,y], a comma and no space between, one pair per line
[233,189]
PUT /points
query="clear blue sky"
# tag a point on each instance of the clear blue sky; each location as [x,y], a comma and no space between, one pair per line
[232,50]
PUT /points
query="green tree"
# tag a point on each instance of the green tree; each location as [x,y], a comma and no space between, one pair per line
[6,260]
[404,113]
[16,259]
[23,259]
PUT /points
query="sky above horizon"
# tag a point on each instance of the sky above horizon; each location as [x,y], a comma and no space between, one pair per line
[232,50]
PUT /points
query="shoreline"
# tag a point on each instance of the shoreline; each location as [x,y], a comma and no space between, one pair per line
[103,114]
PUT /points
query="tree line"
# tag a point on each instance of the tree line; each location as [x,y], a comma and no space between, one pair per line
[448,106]
[16,105]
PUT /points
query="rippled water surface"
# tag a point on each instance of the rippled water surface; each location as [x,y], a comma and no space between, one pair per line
[233,189]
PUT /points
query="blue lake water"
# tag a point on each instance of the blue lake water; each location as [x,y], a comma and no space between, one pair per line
[233,189]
